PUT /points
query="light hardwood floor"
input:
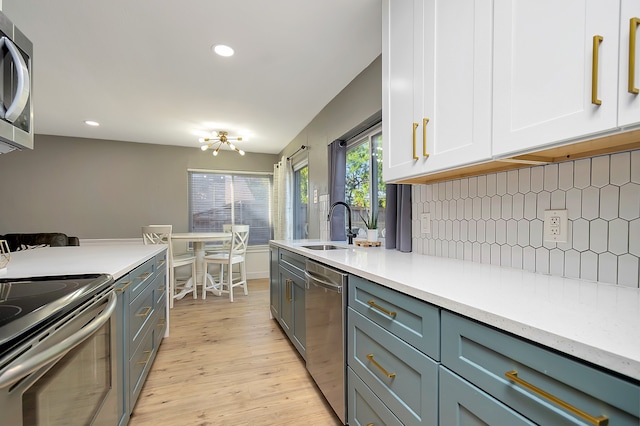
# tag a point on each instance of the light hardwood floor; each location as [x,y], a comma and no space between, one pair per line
[229,364]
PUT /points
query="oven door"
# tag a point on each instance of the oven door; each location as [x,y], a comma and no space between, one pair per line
[65,375]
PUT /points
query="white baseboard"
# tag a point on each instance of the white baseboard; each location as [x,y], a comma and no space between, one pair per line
[109,241]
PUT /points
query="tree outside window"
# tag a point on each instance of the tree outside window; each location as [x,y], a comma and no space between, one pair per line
[365,190]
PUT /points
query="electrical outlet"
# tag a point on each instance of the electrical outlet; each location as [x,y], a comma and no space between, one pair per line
[425,223]
[555,226]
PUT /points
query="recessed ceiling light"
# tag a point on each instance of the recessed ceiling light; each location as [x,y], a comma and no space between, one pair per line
[91,123]
[223,50]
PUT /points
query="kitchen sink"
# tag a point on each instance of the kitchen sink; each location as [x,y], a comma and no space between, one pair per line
[324,247]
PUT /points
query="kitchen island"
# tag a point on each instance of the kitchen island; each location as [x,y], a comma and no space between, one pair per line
[466,337]
[140,319]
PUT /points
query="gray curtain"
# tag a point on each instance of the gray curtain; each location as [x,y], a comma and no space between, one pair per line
[398,218]
[337,179]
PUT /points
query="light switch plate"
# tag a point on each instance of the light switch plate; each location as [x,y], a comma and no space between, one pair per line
[555,226]
[315,196]
[425,223]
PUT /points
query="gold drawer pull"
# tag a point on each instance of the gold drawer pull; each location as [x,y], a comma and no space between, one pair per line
[146,360]
[124,286]
[425,121]
[287,287]
[594,70]
[373,304]
[161,288]
[145,276]
[598,421]
[634,22]
[146,313]
[415,154]
[369,424]
[385,372]
[161,323]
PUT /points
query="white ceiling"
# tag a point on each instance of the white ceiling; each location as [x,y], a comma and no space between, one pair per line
[145,71]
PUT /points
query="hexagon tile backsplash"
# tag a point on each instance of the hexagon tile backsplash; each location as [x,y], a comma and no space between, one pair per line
[498,218]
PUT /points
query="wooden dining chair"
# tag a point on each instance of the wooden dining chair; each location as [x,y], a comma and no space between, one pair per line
[161,234]
[234,255]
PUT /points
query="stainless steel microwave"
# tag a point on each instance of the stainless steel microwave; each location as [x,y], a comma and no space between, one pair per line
[16,108]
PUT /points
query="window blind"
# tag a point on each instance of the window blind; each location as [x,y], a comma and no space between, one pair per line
[218,198]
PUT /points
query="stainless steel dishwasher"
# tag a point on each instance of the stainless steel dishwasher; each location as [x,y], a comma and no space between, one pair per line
[325,304]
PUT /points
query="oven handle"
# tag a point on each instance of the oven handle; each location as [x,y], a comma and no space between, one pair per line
[22,367]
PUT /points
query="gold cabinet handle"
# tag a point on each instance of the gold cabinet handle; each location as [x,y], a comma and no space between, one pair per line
[425,121]
[598,421]
[633,23]
[373,304]
[146,360]
[415,154]
[287,284]
[369,424]
[146,313]
[124,286]
[144,276]
[594,70]
[381,368]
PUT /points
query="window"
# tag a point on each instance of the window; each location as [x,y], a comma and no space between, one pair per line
[216,198]
[365,190]
[300,201]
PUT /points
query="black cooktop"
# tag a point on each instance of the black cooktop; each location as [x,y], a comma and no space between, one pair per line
[30,304]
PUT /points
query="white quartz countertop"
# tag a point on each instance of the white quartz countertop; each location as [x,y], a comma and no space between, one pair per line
[116,260]
[599,323]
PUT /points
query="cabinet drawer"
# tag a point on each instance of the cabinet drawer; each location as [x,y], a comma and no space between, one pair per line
[483,355]
[140,312]
[139,365]
[141,277]
[413,320]
[365,408]
[461,403]
[292,261]
[405,379]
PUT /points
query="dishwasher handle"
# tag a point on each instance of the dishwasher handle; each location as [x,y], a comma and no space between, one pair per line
[319,282]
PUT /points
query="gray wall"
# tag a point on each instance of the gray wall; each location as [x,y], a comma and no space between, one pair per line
[355,107]
[104,189]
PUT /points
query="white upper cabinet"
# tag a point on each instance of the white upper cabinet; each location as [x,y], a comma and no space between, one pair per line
[555,71]
[436,85]
[628,97]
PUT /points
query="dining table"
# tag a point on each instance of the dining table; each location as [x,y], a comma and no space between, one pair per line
[199,240]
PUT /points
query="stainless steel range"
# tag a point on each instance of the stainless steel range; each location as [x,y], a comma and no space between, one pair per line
[57,351]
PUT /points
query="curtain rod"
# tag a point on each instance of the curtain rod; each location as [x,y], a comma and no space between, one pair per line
[299,149]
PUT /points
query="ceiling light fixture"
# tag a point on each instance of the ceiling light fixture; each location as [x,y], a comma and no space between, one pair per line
[217,140]
[223,50]
[91,123]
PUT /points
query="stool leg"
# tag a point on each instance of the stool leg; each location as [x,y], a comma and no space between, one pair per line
[230,281]
[194,278]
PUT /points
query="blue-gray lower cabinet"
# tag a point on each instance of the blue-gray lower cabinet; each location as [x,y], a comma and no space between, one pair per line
[365,407]
[402,377]
[414,363]
[462,404]
[533,380]
[287,294]
[141,321]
